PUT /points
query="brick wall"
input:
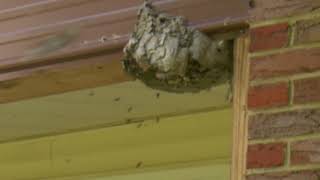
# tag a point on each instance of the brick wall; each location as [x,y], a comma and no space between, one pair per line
[284,100]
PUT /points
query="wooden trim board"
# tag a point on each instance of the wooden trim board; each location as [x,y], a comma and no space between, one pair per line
[241,82]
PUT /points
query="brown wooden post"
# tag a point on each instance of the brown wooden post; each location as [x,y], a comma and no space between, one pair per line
[241,79]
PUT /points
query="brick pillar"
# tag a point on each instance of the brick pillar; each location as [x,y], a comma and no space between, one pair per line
[284,100]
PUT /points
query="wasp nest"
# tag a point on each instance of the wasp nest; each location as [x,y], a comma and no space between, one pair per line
[166,54]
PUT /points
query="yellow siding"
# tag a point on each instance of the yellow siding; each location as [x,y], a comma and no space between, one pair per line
[190,140]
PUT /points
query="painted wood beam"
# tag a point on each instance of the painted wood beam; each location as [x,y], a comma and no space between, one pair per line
[93,57]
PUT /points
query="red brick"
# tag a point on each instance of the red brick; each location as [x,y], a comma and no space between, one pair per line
[267,96]
[305,152]
[271,9]
[302,175]
[266,155]
[308,31]
[269,37]
[289,63]
[307,90]
[284,124]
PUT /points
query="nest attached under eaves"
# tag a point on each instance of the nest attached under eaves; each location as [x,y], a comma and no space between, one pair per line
[166,54]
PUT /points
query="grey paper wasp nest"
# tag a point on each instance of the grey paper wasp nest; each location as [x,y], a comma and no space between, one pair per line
[166,54]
